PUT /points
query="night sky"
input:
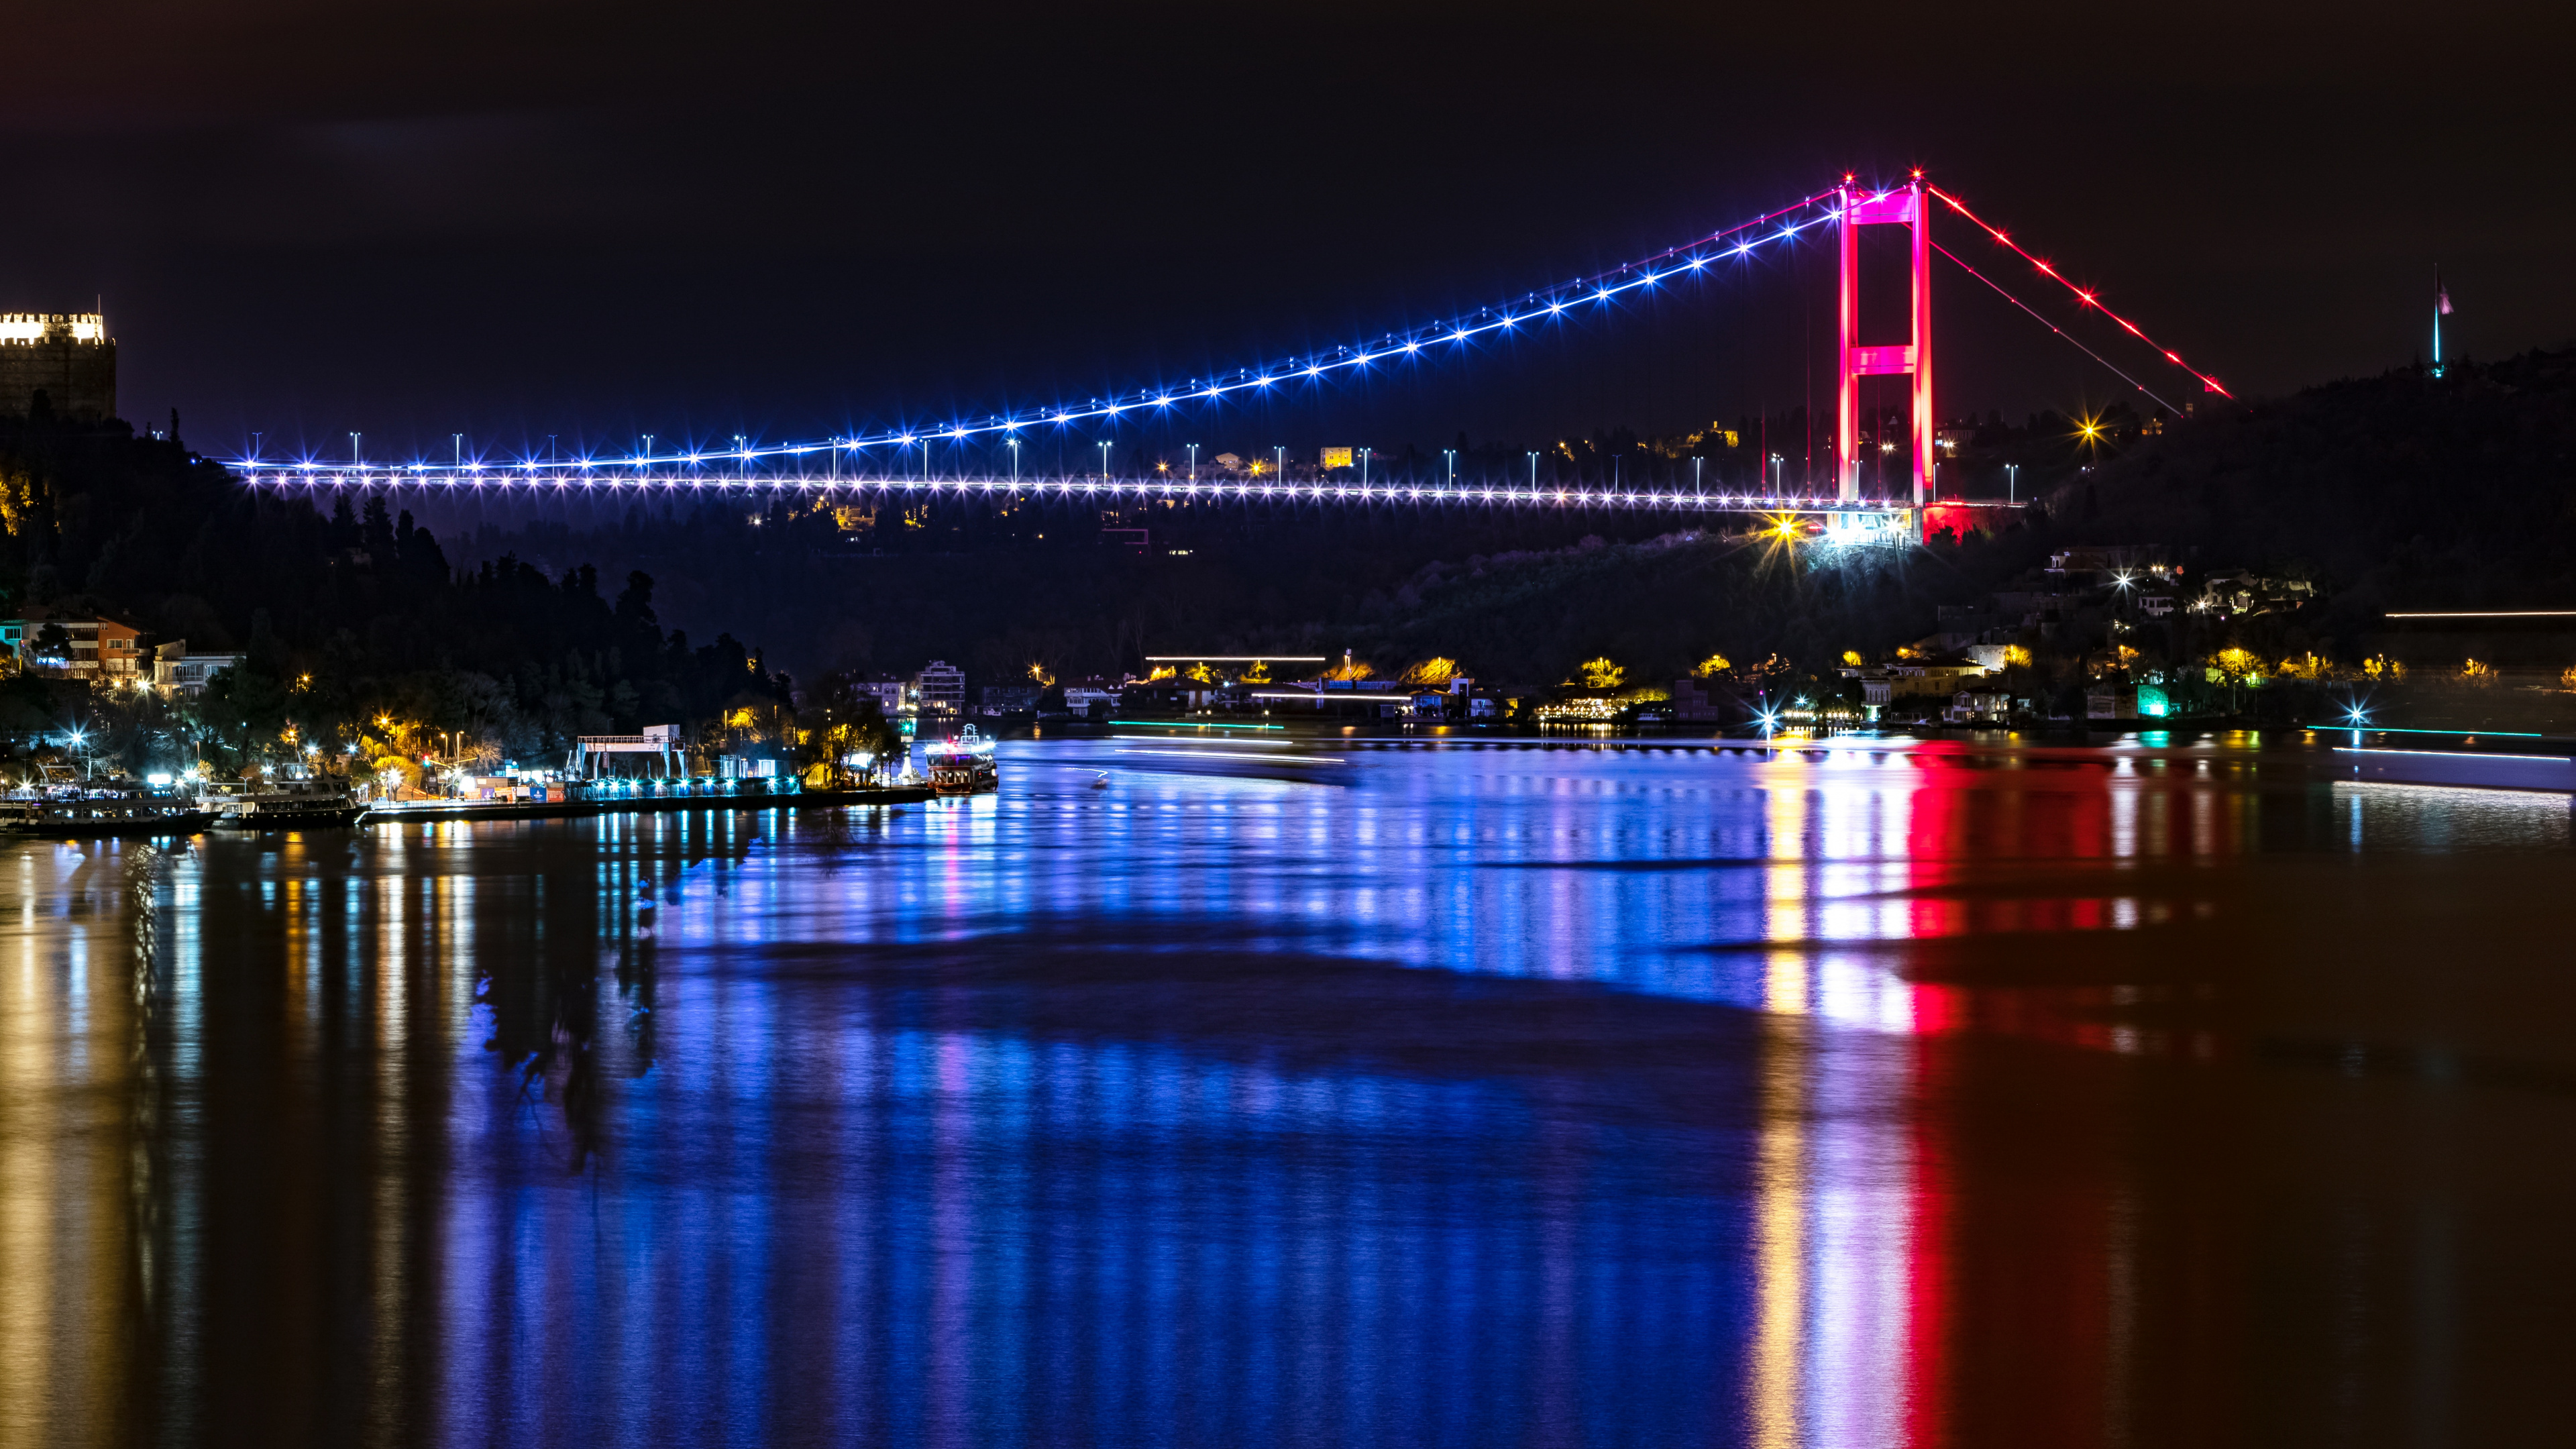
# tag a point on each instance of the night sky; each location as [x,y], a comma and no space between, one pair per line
[596,221]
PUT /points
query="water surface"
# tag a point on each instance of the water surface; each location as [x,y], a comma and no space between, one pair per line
[1412,1094]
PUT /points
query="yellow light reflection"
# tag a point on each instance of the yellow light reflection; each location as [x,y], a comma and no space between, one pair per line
[1779,1246]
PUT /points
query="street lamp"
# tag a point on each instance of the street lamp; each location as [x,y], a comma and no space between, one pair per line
[1452,455]
[1364,460]
[1015,462]
[1533,472]
[1194,461]
[1279,471]
[2012,482]
[1104,460]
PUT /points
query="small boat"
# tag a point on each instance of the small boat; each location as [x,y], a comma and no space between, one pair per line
[963,766]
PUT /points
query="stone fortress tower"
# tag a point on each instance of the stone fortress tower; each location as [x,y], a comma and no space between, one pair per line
[67,356]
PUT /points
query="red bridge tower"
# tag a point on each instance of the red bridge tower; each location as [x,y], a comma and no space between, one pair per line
[1904,206]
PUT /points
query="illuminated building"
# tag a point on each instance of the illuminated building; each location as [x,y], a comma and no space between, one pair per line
[893,695]
[94,648]
[178,673]
[940,688]
[2144,701]
[66,356]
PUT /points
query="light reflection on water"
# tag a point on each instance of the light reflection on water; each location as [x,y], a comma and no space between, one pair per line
[1482,1095]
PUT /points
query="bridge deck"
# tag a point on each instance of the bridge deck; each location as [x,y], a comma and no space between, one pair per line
[541,479]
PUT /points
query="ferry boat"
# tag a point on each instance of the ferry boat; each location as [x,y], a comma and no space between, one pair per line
[287,805]
[58,815]
[963,766]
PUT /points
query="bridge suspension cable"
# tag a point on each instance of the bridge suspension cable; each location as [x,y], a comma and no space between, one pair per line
[2086,297]
[1687,259]
[2053,327]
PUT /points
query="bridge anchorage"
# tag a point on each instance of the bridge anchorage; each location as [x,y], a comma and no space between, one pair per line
[899,462]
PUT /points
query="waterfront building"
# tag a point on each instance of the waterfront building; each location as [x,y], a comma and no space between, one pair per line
[178,674]
[87,647]
[892,693]
[1093,697]
[940,688]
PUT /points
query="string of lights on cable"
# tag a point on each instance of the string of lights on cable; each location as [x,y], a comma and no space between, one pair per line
[1742,240]
[2085,295]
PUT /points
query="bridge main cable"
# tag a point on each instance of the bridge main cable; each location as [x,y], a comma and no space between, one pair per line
[2087,298]
[1689,258]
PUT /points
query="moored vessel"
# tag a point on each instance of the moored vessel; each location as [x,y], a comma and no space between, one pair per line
[963,766]
[286,805]
[91,813]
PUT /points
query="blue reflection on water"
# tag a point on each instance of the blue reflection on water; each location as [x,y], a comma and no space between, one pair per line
[1480,1096]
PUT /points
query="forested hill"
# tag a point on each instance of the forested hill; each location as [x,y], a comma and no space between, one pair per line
[344,615]
[2396,491]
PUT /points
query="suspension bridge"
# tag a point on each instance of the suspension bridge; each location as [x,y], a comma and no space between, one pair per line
[897,462]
